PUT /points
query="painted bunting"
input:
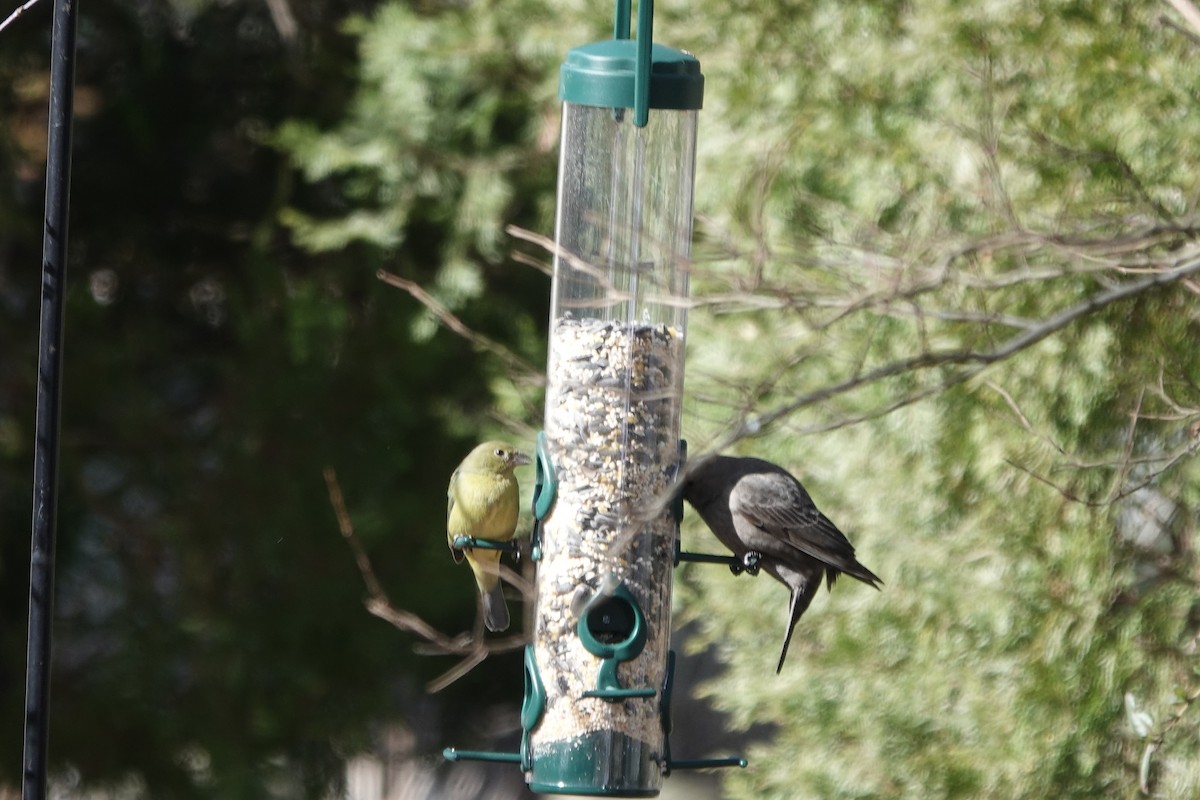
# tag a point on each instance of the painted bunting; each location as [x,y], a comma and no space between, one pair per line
[483,501]
[762,513]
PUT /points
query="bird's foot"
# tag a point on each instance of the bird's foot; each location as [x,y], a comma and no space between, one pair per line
[750,564]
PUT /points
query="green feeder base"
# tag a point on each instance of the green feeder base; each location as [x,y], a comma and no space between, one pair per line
[597,764]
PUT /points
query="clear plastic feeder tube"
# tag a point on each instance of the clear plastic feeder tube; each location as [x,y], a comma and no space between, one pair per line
[615,387]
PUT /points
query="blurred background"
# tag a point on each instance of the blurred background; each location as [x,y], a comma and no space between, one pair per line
[946,262]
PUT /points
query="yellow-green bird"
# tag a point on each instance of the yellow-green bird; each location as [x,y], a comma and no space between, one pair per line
[483,501]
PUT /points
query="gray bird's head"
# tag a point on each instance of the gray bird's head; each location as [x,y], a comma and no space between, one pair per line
[704,478]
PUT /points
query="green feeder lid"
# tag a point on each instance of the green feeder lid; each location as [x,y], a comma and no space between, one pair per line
[603,74]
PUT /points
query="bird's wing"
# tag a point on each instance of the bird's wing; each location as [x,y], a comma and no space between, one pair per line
[450,499]
[450,494]
[778,508]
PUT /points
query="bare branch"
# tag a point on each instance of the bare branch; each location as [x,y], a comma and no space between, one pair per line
[472,648]
[1188,11]
[21,9]
[977,317]
[530,261]
[1181,29]
[1121,487]
[1179,411]
[978,360]
[1125,254]
[284,20]
[1025,423]
[1068,494]
[338,501]
[1160,739]
[1126,461]
[969,362]
[444,315]
[459,670]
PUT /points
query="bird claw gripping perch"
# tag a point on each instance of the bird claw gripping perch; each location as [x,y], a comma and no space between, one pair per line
[750,564]
[464,542]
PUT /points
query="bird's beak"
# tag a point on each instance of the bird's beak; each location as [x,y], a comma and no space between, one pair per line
[521,459]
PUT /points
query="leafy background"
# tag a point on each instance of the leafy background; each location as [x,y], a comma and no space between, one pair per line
[888,196]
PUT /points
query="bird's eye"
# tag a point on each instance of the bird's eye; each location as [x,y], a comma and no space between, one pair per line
[500,453]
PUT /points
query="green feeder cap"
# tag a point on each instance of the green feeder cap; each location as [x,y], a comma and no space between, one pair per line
[602,74]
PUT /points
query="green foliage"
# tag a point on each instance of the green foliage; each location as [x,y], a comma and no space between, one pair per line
[442,133]
[919,182]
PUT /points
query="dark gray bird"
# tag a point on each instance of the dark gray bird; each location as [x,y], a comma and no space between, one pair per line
[762,513]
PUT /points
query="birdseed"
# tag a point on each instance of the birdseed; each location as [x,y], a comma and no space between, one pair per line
[612,428]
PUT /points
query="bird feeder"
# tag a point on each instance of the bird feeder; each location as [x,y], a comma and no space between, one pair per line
[598,673]
[613,403]
[610,450]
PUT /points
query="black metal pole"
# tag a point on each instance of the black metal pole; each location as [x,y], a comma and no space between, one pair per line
[49,393]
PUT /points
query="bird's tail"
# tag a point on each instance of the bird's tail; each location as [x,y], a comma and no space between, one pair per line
[801,597]
[495,610]
[855,570]
[486,566]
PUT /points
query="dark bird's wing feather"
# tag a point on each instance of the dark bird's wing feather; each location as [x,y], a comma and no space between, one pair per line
[779,517]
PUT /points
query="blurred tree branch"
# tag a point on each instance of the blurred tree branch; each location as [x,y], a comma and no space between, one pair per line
[472,648]
[21,9]
[522,370]
[1188,11]
[284,20]
[1122,467]
[971,362]
[1109,261]
[1186,700]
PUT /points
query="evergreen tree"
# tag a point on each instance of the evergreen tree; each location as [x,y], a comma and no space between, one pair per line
[945,271]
